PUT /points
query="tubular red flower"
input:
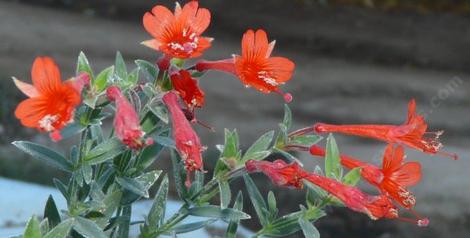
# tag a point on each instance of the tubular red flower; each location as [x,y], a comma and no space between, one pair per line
[412,133]
[392,179]
[292,175]
[126,121]
[187,141]
[187,88]
[255,67]
[178,34]
[51,103]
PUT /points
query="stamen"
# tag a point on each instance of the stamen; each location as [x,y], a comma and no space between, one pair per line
[46,123]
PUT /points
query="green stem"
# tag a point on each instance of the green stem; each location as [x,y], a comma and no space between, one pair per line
[123,231]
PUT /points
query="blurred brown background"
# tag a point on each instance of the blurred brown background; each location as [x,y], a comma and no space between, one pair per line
[357,62]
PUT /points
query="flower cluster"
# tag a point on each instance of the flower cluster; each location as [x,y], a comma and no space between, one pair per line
[158,111]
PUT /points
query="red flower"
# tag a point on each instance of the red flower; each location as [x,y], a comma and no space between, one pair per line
[255,67]
[178,34]
[392,179]
[412,134]
[126,121]
[51,103]
[186,140]
[187,88]
[283,174]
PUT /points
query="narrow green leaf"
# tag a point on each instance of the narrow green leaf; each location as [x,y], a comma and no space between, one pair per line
[179,175]
[44,226]
[51,212]
[61,230]
[261,145]
[149,178]
[133,186]
[45,154]
[233,225]
[88,228]
[272,203]
[120,67]
[225,194]
[161,112]
[71,130]
[211,211]
[231,148]
[83,66]
[104,151]
[189,227]
[333,167]
[33,230]
[305,140]
[148,69]
[308,229]
[257,200]
[287,122]
[157,212]
[62,188]
[103,78]
[289,224]
[165,141]
[87,173]
[352,177]
[133,77]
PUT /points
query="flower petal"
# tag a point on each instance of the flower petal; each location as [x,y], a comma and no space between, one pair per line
[26,88]
[45,75]
[408,175]
[30,111]
[281,68]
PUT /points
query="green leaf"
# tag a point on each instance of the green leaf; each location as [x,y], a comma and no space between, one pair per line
[261,145]
[272,204]
[148,69]
[71,130]
[165,141]
[33,230]
[333,167]
[51,212]
[61,187]
[305,140]
[157,212]
[352,177]
[308,229]
[87,172]
[179,175]
[149,155]
[231,148]
[133,77]
[287,121]
[161,112]
[88,228]
[120,69]
[189,227]
[61,230]
[103,78]
[233,225]
[45,154]
[289,224]
[217,212]
[225,194]
[149,178]
[257,200]
[133,185]
[104,151]
[83,66]
[44,226]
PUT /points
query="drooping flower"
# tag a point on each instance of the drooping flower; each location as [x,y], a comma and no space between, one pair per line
[178,34]
[126,121]
[412,133]
[187,141]
[255,67]
[51,103]
[187,88]
[393,179]
[284,174]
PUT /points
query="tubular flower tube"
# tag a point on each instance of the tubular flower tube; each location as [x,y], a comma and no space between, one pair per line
[187,88]
[412,133]
[126,121]
[178,34]
[187,141]
[51,103]
[392,179]
[255,67]
[283,174]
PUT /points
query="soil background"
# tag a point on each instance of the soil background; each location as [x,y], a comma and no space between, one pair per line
[355,64]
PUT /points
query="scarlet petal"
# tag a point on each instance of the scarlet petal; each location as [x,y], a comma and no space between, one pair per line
[393,158]
[156,21]
[30,111]
[26,88]
[281,68]
[45,75]
[409,174]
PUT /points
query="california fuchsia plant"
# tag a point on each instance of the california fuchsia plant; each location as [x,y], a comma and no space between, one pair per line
[152,109]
